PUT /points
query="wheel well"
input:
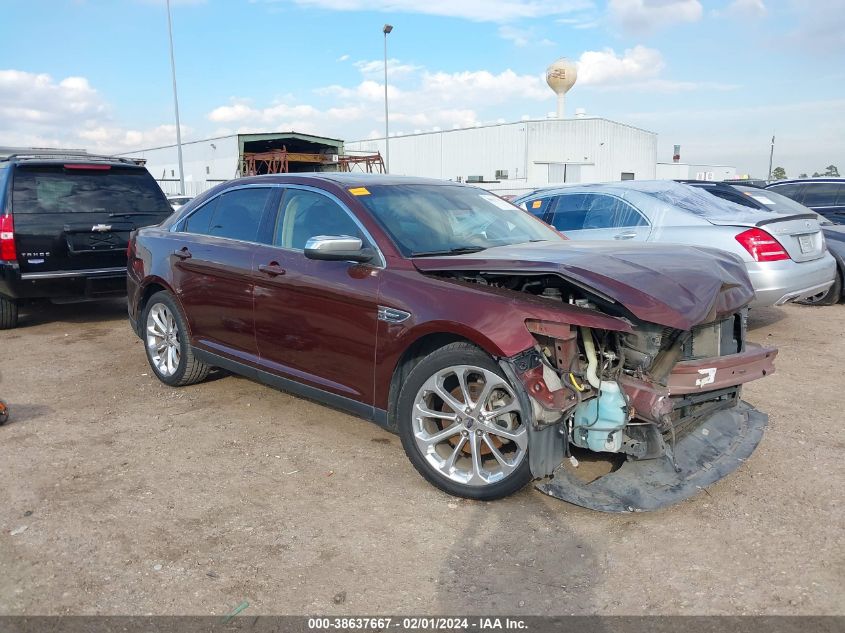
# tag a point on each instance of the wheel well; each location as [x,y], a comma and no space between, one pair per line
[410,358]
[149,291]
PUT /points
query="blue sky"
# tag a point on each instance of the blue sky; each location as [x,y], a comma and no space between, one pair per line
[717,77]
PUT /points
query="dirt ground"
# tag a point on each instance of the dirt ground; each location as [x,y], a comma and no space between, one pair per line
[123,496]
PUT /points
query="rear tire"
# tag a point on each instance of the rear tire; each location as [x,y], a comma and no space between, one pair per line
[476,449]
[831,297]
[8,313]
[167,343]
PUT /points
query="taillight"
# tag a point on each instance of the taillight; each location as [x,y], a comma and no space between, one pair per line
[7,239]
[762,246]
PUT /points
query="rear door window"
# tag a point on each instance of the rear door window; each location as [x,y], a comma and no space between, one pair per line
[238,214]
[109,190]
[608,212]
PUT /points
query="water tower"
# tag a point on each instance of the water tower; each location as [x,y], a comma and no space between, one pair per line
[561,76]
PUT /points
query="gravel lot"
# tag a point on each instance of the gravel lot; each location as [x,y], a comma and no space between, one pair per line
[123,496]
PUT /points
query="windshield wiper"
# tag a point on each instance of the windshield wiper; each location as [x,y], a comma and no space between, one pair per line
[461,250]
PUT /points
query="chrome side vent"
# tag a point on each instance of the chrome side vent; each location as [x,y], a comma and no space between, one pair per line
[392,315]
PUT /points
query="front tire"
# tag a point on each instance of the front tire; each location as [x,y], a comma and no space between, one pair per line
[8,313]
[167,343]
[461,424]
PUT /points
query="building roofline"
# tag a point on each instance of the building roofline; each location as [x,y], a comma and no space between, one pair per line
[488,125]
[239,136]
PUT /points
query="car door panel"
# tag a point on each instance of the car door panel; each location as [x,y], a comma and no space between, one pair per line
[212,262]
[591,216]
[316,322]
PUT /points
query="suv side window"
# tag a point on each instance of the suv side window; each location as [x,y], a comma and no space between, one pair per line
[305,214]
[791,190]
[235,215]
[820,194]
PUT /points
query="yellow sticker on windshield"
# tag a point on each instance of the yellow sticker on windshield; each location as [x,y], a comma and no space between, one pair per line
[359,191]
[536,204]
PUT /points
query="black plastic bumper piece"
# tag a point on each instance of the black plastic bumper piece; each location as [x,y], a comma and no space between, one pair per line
[716,448]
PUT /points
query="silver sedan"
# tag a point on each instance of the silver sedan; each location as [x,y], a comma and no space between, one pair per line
[786,256]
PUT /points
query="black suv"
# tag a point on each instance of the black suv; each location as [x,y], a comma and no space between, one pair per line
[65,220]
[822,195]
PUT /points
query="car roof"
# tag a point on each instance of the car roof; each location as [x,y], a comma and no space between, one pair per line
[347,179]
[59,157]
[645,186]
[803,180]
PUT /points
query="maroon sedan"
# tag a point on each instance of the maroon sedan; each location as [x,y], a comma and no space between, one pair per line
[496,349]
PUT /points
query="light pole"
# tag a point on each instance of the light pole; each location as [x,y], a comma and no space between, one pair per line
[387,29]
[771,156]
[176,105]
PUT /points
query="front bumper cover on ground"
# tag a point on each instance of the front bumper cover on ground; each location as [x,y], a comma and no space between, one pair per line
[717,447]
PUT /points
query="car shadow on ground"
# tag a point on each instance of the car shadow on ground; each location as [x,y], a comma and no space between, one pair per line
[764,317]
[516,556]
[87,312]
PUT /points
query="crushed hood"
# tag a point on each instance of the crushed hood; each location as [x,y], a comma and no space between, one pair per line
[673,285]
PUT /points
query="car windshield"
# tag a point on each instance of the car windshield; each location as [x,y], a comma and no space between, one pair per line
[778,203]
[449,219]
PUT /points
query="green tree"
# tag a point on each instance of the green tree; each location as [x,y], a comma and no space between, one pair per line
[804,175]
[831,171]
[778,173]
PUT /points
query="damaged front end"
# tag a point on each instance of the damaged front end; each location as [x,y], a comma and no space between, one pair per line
[656,385]
[668,401]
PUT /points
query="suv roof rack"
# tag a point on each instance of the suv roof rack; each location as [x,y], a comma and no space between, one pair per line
[58,154]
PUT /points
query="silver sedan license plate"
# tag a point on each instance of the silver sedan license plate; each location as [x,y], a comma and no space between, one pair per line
[806,243]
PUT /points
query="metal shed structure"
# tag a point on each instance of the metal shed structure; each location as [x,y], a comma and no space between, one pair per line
[214,160]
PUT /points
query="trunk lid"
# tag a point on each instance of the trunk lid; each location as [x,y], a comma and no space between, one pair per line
[800,235]
[673,285]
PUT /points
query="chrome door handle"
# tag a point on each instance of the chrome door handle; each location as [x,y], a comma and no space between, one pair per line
[273,269]
[183,253]
[627,235]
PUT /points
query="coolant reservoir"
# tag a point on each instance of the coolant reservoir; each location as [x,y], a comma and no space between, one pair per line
[598,422]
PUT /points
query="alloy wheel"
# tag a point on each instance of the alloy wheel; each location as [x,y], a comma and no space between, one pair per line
[163,344]
[467,425]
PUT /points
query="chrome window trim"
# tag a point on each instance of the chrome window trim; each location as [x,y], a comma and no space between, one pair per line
[372,242]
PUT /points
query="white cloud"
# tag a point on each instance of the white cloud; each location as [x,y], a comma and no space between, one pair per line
[606,67]
[523,36]
[343,58]
[645,16]
[38,111]
[395,68]
[746,8]
[476,10]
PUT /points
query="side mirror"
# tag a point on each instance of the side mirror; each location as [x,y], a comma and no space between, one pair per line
[337,248]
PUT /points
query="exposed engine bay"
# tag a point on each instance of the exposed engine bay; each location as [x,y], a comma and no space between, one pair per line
[636,393]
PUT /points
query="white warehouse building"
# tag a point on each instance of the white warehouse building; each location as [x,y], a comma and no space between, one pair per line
[521,156]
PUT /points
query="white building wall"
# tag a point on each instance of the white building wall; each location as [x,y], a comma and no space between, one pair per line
[532,152]
[689,171]
[207,163]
